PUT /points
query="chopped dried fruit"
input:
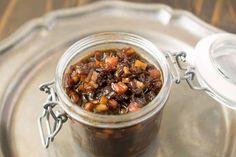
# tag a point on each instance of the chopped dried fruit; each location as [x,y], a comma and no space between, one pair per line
[139,84]
[125,80]
[139,102]
[95,101]
[119,72]
[89,106]
[119,87]
[140,64]
[111,60]
[101,108]
[93,84]
[112,81]
[103,100]
[154,73]
[75,79]
[108,67]
[126,70]
[129,51]
[81,88]
[112,103]
[68,81]
[74,96]
[133,107]
[98,55]
[87,86]
[123,109]
[88,78]
[94,76]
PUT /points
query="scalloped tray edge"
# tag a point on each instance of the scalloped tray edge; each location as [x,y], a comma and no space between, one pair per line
[46,21]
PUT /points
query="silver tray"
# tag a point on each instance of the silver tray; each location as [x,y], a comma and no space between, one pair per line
[193,124]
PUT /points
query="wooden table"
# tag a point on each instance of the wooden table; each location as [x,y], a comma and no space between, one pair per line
[13,13]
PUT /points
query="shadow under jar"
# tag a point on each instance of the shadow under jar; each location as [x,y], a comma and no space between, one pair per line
[126,135]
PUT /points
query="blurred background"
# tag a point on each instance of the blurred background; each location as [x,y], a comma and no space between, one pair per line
[14,13]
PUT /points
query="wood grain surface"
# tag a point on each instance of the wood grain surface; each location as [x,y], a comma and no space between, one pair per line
[14,13]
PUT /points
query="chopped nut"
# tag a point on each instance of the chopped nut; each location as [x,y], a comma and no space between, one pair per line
[140,64]
[119,87]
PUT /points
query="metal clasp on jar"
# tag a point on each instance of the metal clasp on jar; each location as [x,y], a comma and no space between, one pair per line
[58,117]
[182,71]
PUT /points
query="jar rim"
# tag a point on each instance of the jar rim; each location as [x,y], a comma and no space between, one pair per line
[112,121]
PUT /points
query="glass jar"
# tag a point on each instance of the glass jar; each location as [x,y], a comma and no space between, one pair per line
[130,135]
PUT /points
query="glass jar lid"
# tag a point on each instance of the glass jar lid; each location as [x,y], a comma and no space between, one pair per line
[215,66]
